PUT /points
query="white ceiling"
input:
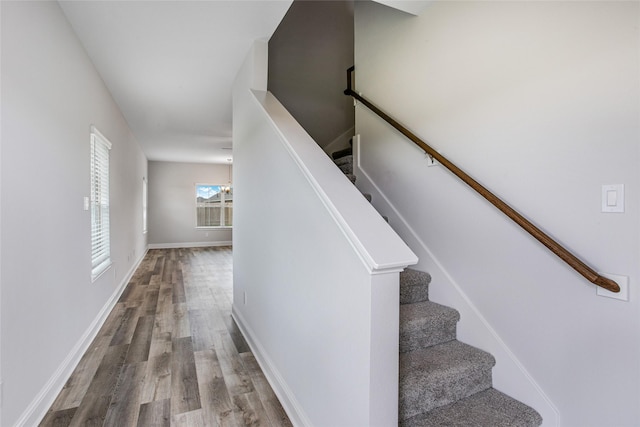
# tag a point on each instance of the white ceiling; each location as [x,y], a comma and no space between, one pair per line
[170,66]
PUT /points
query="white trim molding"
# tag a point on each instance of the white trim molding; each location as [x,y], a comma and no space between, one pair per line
[189,245]
[290,404]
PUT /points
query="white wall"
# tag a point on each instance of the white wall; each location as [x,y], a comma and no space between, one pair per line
[1,133]
[172,206]
[51,95]
[540,102]
[315,270]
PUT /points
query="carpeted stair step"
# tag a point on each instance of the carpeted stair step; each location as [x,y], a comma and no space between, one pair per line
[486,408]
[345,164]
[424,324]
[442,381]
[414,286]
[341,153]
[440,375]
[346,168]
[346,160]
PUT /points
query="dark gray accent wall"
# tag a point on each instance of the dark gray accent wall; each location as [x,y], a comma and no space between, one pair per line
[309,54]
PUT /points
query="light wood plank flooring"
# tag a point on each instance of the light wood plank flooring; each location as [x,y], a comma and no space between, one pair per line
[169,354]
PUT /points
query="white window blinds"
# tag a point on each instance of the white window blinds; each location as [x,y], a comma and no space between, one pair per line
[100,245]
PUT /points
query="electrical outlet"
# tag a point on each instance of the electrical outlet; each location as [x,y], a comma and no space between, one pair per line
[622,281]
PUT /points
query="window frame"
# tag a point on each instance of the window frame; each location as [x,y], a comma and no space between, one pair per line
[223,206]
[99,203]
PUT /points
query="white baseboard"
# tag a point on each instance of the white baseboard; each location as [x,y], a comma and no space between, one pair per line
[38,408]
[286,397]
[188,245]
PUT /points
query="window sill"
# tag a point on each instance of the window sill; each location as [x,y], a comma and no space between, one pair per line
[100,273]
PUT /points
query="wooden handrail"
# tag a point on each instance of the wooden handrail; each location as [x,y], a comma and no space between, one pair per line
[573,261]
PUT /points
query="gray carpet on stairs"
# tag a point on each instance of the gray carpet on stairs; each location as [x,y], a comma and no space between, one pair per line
[345,164]
[443,382]
[441,374]
[414,286]
[487,408]
[426,323]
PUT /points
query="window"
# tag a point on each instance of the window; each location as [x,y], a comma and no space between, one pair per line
[100,245]
[214,205]
[144,205]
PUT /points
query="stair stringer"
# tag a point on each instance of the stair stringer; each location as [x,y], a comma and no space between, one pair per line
[509,374]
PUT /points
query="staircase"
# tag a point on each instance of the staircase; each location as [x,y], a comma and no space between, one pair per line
[443,382]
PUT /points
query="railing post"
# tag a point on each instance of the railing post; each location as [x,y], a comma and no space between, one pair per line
[349,80]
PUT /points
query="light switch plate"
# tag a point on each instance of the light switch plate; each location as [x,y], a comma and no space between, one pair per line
[613,198]
[622,281]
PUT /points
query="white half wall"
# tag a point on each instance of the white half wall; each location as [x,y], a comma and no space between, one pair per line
[539,101]
[172,204]
[315,271]
[51,95]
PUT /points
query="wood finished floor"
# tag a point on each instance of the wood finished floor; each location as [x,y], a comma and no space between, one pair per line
[169,354]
